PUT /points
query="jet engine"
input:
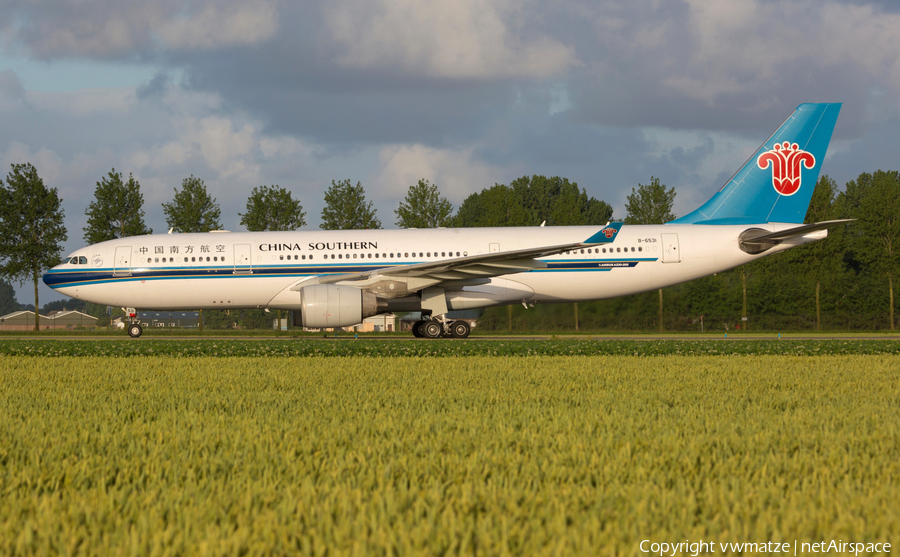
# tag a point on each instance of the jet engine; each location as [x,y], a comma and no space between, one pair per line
[324,306]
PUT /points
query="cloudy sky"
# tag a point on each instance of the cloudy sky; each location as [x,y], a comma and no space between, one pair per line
[465,94]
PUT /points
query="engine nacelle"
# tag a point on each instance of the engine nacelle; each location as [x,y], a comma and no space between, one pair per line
[324,306]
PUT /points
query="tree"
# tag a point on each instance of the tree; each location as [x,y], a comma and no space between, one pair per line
[559,202]
[219,319]
[821,262]
[193,209]
[8,303]
[272,208]
[495,206]
[346,208]
[651,204]
[31,226]
[424,207]
[874,199]
[117,210]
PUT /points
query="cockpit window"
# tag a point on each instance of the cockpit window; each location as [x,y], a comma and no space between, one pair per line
[82,260]
[66,260]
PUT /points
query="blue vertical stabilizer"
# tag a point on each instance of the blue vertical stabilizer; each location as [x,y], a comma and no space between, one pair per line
[776,184]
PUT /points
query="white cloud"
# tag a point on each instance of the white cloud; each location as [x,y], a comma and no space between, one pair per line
[460,39]
[227,151]
[48,164]
[217,25]
[456,172]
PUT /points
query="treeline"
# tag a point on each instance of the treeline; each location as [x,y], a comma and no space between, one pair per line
[843,282]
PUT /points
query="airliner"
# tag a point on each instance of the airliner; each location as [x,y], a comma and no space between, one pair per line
[333,279]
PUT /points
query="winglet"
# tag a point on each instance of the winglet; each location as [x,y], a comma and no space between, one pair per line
[607,235]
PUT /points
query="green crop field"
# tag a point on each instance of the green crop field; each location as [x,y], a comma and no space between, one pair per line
[476,455]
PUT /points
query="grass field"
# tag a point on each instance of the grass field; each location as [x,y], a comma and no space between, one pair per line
[477,455]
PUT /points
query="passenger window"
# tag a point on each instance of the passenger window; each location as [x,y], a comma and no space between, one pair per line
[354,256]
[207,258]
[193,260]
[281,258]
[185,260]
[640,248]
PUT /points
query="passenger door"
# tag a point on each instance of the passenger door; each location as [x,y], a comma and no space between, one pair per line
[671,253]
[122,262]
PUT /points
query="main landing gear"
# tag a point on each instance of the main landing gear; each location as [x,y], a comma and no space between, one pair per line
[435,328]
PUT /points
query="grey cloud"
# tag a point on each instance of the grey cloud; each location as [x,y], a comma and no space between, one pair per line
[11,87]
[105,29]
[155,88]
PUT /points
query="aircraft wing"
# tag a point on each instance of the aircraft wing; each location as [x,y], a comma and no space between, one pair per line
[479,266]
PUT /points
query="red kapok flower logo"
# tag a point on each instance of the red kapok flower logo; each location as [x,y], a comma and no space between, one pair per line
[609,232]
[786,159]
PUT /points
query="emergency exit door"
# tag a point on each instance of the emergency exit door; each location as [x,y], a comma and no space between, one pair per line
[242,261]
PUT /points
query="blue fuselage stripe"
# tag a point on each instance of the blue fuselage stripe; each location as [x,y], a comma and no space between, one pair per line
[61,279]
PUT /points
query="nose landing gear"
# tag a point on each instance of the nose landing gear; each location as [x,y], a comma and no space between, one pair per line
[134,328]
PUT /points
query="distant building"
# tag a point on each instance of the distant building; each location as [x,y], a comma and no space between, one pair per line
[24,321]
[72,319]
[168,319]
[384,323]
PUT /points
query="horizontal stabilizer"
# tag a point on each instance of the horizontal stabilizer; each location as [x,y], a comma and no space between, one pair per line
[757,240]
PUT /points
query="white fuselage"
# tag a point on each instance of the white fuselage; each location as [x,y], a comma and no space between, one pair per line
[262,269]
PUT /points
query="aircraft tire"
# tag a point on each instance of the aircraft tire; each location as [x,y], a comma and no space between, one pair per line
[417,329]
[432,329]
[135,330]
[460,329]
